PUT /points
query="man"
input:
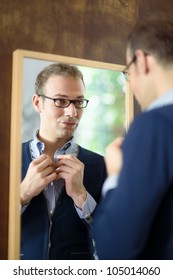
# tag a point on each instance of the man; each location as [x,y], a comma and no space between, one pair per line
[61,180]
[135,218]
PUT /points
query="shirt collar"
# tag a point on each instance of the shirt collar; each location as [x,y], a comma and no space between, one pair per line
[166,99]
[65,149]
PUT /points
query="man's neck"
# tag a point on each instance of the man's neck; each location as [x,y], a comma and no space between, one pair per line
[51,145]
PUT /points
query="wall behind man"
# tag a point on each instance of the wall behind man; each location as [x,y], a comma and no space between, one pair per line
[95,30]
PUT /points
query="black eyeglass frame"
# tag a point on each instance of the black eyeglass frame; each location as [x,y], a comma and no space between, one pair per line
[125,71]
[69,101]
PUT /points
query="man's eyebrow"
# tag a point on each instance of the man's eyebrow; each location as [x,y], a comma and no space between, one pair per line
[65,96]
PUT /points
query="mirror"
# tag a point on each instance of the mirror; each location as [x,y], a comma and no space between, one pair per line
[108,115]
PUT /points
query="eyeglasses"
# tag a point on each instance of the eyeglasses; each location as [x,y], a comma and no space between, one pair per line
[63,102]
[125,71]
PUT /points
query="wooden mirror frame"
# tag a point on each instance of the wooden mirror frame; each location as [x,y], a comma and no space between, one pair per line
[16,135]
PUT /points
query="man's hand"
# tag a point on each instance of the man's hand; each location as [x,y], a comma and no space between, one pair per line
[40,173]
[71,170]
[113,157]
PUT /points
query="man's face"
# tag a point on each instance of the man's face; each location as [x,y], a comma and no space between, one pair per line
[134,76]
[141,77]
[131,72]
[57,122]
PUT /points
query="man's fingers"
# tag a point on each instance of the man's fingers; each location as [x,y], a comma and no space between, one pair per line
[42,162]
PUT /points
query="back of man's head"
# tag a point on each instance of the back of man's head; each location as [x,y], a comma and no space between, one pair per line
[154,35]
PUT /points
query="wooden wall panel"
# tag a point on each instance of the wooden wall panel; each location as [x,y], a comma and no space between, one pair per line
[5,98]
[146,7]
[78,28]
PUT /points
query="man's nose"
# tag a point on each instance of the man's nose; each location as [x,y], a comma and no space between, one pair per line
[70,110]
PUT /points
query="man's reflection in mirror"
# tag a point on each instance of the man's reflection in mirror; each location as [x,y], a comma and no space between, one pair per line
[61,181]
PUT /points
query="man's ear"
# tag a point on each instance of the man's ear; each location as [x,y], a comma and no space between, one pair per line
[36,103]
[142,61]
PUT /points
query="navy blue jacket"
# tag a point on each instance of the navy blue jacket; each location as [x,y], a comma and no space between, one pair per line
[64,236]
[137,216]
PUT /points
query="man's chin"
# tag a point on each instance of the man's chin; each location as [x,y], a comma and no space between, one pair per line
[65,134]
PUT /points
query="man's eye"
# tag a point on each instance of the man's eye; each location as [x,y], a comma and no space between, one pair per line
[79,102]
[61,102]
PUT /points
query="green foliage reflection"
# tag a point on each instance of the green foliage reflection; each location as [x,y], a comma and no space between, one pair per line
[104,118]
